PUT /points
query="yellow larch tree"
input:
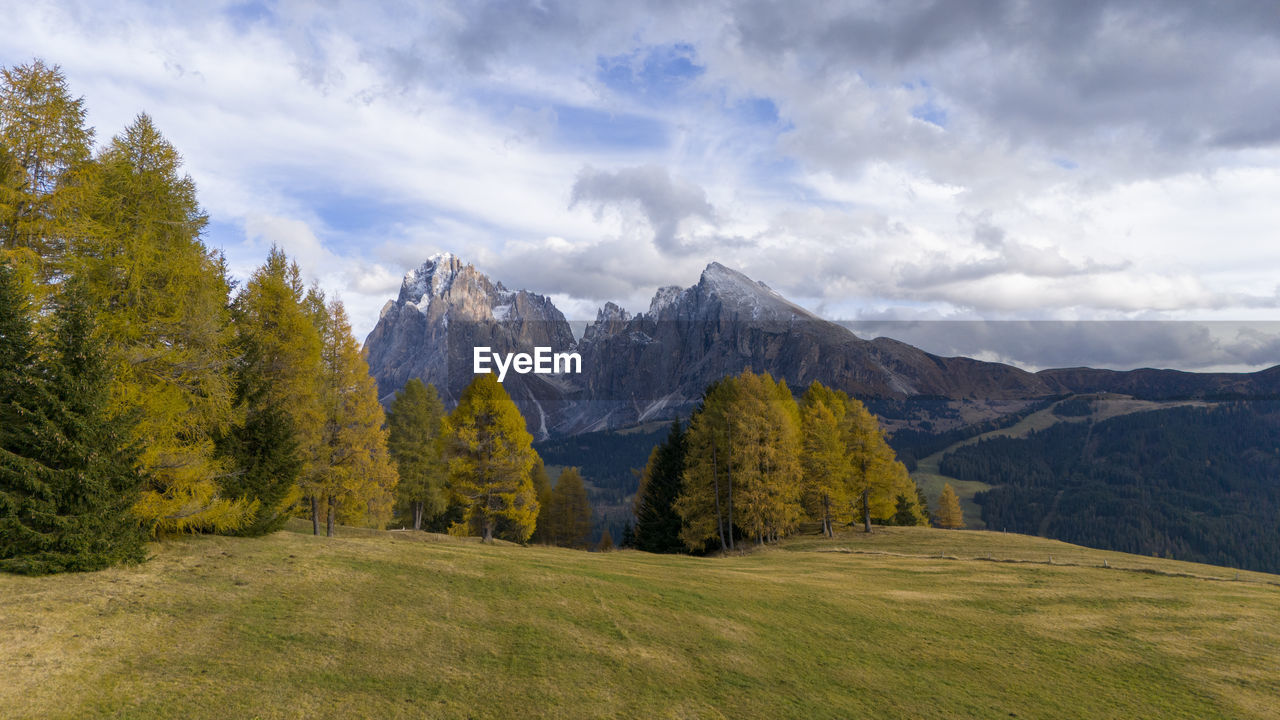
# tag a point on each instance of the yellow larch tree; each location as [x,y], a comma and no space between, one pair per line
[490,458]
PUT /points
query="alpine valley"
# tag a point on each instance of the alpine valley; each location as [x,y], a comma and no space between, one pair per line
[1151,461]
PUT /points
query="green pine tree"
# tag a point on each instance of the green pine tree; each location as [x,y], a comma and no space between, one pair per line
[657,527]
[68,476]
[705,503]
[267,461]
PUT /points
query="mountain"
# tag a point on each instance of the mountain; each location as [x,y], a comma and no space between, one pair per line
[659,362]
[445,309]
[656,364]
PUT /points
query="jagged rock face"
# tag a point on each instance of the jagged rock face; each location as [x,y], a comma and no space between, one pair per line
[444,310]
[656,365]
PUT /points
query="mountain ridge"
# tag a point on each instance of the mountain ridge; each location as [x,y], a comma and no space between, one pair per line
[655,364]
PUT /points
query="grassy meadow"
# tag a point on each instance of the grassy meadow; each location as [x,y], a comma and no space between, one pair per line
[904,623]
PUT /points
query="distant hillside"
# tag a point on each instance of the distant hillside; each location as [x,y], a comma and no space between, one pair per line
[1194,483]
[904,623]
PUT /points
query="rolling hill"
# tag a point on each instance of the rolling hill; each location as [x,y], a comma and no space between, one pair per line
[904,623]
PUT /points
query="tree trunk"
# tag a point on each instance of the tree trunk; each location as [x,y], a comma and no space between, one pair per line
[715,483]
[826,516]
[488,530]
[417,515]
[315,515]
[866,509]
[329,522]
[729,479]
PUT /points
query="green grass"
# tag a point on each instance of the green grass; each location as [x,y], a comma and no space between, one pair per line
[906,622]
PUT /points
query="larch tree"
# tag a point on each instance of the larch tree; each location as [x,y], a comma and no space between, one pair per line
[490,458]
[570,513]
[68,471]
[354,473]
[705,503]
[825,463]
[765,457]
[413,424]
[657,527]
[542,491]
[278,370]
[606,542]
[950,515]
[877,477]
[45,163]
[166,321]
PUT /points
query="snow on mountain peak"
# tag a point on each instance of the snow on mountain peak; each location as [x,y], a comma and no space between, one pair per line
[665,297]
[737,289]
[727,281]
[431,279]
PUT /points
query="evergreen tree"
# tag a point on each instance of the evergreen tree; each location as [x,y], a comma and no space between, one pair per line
[267,463]
[413,424]
[657,527]
[950,515]
[606,542]
[490,458]
[905,514]
[26,484]
[279,366]
[354,473]
[570,515]
[165,317]
[68,474]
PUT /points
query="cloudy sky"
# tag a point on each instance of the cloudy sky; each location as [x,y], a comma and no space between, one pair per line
[1012,161]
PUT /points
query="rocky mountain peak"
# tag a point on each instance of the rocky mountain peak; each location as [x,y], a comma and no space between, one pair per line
[664,298]
[654,365]
[433,278]
[741,294]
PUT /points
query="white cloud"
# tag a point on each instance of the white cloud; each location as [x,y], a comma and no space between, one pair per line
[940,164]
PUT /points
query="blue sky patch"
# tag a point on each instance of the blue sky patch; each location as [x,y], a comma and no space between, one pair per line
[758,111]
[244,14]
[658,72]
[581,127]
[930,112]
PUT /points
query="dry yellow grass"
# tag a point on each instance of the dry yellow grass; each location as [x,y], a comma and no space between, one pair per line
[907,622]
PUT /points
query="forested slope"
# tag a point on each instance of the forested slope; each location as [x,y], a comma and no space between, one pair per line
[1192,483]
